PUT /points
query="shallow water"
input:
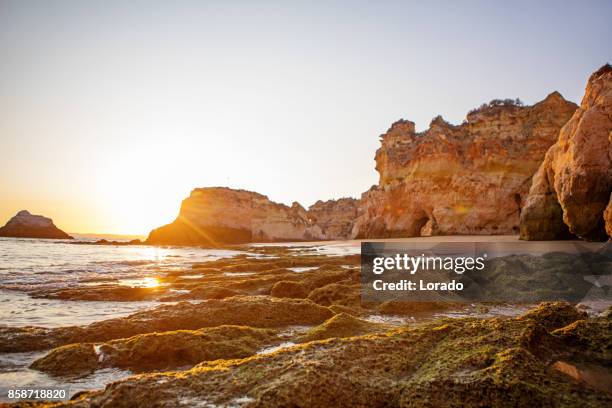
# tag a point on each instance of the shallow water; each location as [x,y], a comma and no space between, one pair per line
[30,264]
[19,309]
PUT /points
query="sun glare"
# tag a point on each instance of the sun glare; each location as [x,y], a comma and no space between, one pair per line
[149,282]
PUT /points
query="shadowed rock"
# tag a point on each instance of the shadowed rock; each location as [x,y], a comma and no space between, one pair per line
[215,216]
[157,351]
[572,187]
[26,225]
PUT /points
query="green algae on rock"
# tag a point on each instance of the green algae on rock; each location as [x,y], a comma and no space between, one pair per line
[157,351]
[501,362]
[342,325]
[254,311]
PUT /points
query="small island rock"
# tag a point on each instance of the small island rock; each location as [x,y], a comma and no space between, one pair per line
[26,225]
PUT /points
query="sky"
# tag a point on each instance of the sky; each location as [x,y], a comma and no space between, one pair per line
[111,112]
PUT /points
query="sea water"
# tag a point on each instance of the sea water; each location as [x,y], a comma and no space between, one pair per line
[29,265]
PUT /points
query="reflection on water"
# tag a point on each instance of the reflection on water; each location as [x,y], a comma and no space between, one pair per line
[30,264]
[140,282]
[300,269]
[19,309]
[272,349]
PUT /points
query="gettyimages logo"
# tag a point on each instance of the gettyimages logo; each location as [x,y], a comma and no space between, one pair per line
[412,264]
[517,272]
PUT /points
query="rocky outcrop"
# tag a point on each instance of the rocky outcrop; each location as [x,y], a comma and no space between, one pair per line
[26,225]
[572,187]
[467,179]
[156,351]
[217,215]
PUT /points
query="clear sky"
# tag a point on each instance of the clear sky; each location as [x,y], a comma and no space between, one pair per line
[112,111]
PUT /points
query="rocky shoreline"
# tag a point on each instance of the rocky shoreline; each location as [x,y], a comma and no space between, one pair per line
[552,355]
[295,316]
[287,326]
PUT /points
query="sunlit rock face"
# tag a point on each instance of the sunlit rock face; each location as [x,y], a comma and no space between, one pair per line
[608,217]
[571,189]
[26,225]
[335,218]
[471,178]
[218,215]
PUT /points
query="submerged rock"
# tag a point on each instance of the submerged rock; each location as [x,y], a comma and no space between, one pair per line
[572,187]
[111,292]
[26,225]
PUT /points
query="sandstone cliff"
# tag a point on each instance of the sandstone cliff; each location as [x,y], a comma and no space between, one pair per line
[218,215]
[572,187]
[466,179]
[335,218]
[26,225]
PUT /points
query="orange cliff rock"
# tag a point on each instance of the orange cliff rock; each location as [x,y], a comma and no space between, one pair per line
[571,190]
[218,215]
[471,178]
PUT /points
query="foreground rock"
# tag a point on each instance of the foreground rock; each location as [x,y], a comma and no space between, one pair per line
[186,348]
[26,225]
[253,311]
[157,351]
[445,363]
[471,178]
[572,187]
[215,216]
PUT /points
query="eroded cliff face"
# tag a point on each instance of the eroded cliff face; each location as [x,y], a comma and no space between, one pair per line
[467,179]
[571,189]
[218,215]
[335,218]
